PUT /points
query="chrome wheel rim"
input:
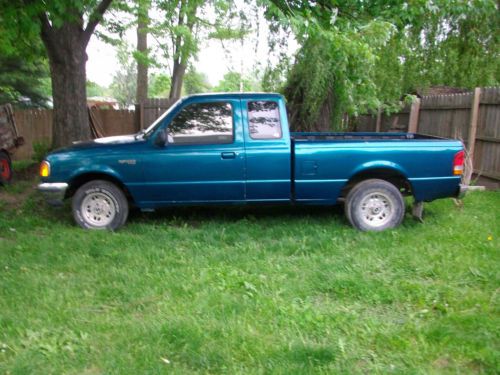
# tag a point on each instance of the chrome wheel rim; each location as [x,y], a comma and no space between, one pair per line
[98,209]
[376,209]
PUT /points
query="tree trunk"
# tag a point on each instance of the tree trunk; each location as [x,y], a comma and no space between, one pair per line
[66,45]
[142,47]
[177,78]
[70,116]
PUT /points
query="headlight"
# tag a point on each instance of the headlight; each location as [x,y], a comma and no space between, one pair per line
[44,169]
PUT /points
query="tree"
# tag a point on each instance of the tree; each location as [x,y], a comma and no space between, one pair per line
[24,72]
[231,82]
[358,55]
[159,85]
[186,23]
[65,28]
[24,83]
[195,82]
[124,81]
[142,49]
[94,89]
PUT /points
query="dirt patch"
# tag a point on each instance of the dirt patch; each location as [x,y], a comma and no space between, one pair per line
[30,173]
[20,188]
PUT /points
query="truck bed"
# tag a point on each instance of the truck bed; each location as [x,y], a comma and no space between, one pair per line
[324,162]
[317,136]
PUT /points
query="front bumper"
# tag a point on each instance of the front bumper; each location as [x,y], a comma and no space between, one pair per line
[53,192]
[462,190]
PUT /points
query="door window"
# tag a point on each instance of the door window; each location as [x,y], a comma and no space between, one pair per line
[201,124]
[264,120]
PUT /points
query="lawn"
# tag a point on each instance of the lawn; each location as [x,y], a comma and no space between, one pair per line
[287,290]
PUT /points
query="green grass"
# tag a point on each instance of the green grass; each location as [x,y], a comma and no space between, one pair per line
[247,291]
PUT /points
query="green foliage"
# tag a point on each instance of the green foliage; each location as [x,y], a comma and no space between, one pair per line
[123,86]
[231,82]
[195,82]
[40,150]
[24,83]
[360,55]
[249,291]
[24,73]
[94,89]
[159,85]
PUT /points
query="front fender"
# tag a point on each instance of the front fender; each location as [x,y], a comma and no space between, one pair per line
[95,169]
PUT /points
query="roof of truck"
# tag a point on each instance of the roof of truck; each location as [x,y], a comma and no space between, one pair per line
[235,95]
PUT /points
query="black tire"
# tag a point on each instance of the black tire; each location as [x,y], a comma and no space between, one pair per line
[374,205]
[100,204]
[5,168]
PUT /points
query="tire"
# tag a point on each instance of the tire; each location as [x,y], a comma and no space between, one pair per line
[374,205]
[100,204]
[5,168]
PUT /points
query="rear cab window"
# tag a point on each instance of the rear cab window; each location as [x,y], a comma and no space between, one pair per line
[202,124]
[264,120]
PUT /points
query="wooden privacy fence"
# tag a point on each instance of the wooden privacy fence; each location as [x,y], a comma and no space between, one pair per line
[151,109]
[35,125]
[473,117]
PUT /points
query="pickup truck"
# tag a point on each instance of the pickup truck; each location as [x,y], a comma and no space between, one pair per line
[237,149]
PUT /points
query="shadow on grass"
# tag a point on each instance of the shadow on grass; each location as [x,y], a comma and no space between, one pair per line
[196,215]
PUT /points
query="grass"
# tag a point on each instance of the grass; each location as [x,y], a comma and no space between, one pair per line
[247,291]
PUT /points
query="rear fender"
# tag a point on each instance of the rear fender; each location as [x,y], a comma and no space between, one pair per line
[379,164]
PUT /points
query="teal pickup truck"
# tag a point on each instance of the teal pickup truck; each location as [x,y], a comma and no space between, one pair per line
[237,149]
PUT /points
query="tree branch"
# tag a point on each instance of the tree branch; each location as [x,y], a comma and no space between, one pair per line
[48,37]
[94,19]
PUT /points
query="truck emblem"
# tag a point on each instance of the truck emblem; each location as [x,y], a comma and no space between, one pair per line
[128,161]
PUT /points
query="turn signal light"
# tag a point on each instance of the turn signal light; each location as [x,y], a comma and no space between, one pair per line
[458,163]
[44,169]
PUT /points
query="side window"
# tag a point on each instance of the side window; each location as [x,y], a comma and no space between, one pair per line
[264,120]
[201,124]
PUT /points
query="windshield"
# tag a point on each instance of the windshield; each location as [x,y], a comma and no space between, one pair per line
[147,132]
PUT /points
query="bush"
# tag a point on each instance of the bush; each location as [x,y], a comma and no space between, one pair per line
[40,149]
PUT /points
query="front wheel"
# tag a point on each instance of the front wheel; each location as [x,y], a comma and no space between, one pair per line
[100,205]
[5,168]
[374,205]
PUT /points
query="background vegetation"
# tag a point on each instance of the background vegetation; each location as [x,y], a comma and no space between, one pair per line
[353,56]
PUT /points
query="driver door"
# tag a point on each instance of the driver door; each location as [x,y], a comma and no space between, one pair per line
[204,157]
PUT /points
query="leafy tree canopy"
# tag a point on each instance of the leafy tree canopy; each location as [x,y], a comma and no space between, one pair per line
[361,55]
[231,82]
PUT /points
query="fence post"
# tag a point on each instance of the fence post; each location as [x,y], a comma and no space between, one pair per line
[414,112]
[379,120]
[471,141]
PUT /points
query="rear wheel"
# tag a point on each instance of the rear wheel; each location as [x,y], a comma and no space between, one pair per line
[100,205]
[374,205]
[5,168]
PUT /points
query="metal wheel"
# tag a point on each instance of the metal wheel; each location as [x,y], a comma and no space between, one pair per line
[376,209]
[374,205]
[98,209]
[100,204]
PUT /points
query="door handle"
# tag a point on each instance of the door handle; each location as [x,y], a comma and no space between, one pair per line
[228,155]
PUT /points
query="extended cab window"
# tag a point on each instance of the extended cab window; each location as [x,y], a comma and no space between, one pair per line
[201,124]
[264,120]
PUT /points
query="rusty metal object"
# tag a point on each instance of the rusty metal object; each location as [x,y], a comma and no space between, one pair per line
[9,137]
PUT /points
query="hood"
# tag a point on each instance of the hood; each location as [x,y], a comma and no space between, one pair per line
[100,143]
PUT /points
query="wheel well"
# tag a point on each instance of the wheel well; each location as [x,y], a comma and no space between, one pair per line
[78,181]
[389,175]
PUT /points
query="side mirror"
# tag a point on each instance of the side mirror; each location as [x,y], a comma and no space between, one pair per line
[161,139]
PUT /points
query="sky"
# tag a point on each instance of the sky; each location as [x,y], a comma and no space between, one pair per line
[212,60]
